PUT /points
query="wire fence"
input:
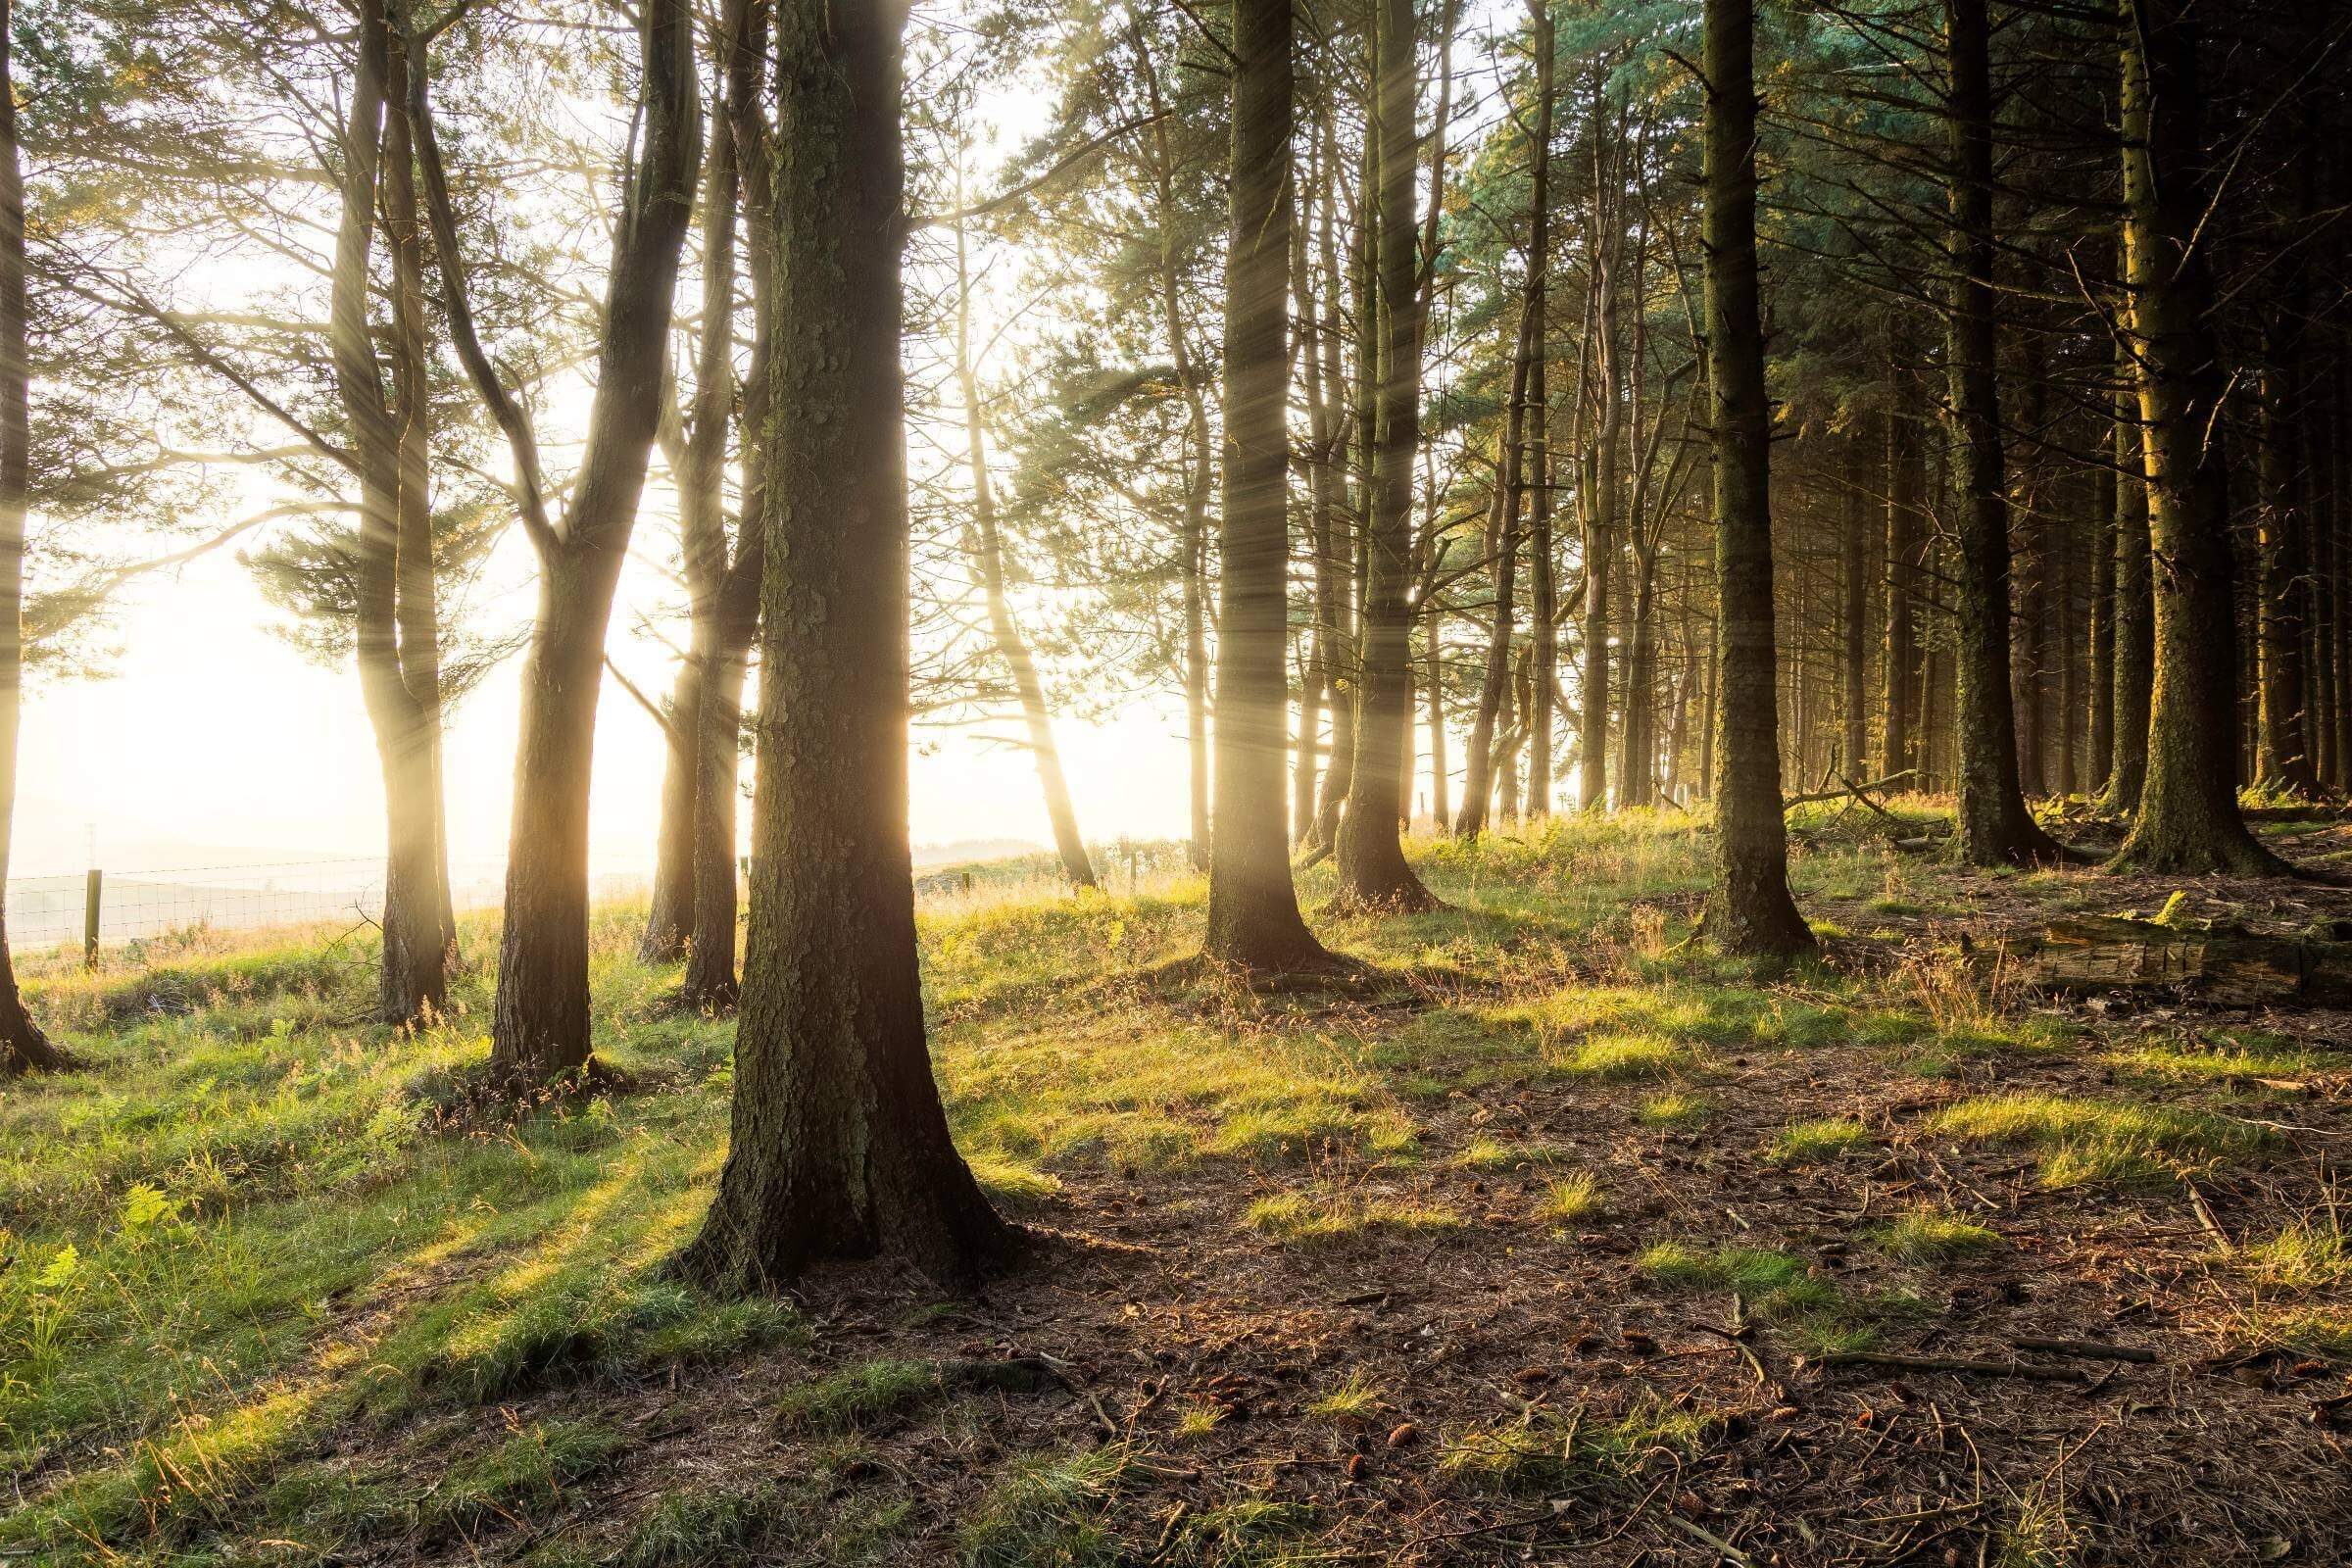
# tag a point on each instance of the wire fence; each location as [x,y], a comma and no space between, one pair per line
[107,908]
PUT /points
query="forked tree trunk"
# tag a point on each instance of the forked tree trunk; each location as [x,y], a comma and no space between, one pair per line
[23,1047]
[2189,818]
[1369,853]
[839,1147]
[1254,920]
[392,560]
[540,1025]
[1992,823]
[1750,910]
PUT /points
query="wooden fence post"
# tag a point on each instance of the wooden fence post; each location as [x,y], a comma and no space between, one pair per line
[89,917]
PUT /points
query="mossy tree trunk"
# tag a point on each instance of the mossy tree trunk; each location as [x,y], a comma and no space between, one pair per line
[23,1047]
[1750,910]
[1254,919]
[1991,824]
[2189,818]
[1369,854]
[838,1146]
[2282,753]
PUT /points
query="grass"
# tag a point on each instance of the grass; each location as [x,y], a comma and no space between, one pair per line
[1930,1236]
[1547,1452]
[271,1281]
[1809,1142]
[1571,1199]
[1319,1215]
[2088,1142]
[1353,1402]
[1777,1286]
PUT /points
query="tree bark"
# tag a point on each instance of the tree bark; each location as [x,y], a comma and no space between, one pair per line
[2283,759]
[734,603]
[1855,615]
[1369,854]
[1254,920]
[1600,506]
[1750,912]
[1543,588]
[2189,818]
[1905,480]
[839,1147]
[392,560]
[23,1045]
[2135,617]
[1992,823]
[670,919]
[540,1025]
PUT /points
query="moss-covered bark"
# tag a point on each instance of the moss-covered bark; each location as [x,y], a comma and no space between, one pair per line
[2189,818]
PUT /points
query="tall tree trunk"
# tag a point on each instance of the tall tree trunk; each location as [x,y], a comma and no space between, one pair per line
[540,1025]
[1992,826]
[710,981]
[2135,617]
[669,917]
[1602,504]
[23,1047]
[1905,479]
[1201,465]
[2189,818]
[1254,920]
[1314,817]
[2283,758]
[1369,854]
[1751,912]
[413,977]
[1854,615]
[986,549]
[839,1147]
[1542,589]
[1433,652]
[2101,738]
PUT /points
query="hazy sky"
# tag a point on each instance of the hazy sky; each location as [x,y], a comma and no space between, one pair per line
[217,740]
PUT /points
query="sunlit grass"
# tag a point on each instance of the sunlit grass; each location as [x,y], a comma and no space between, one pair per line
[2102,1141]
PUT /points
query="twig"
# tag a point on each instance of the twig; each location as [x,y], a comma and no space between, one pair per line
[2091,1349]
[1946,1363]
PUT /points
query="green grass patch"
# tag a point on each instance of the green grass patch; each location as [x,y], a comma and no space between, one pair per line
[860,1397]
[1548,1452]
[1674,1107]
[1504,1155]
[1810,1142]
[1931,1236]
[1321,1216]
[2307,1255]
[1047,1508]
[1571,1198]
[2086,1142]
[1780,1288]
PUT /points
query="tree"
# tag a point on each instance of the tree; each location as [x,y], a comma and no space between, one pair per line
[1991,825]
[1254,919]
[839,1147]
[539,1032]
[396,632]
[1370,857]
[1751,912]
[2188,819]
[23,1047]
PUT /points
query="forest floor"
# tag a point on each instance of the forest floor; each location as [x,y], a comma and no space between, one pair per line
[1544,1245]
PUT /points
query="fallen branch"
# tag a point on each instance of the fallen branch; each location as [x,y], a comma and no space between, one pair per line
[1846,787]
[2090,1349]
[1944,1363]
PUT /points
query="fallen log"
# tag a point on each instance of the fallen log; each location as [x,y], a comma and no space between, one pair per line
[2091,953]
[2093,1349]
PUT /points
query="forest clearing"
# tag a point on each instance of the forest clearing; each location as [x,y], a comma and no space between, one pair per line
[1674,676]
[1540,1246]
